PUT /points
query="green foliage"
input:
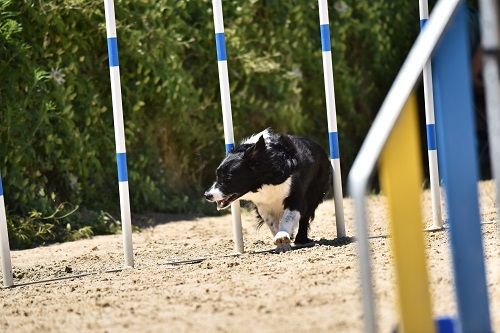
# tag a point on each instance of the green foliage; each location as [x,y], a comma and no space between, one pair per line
[56,124]
[64,224]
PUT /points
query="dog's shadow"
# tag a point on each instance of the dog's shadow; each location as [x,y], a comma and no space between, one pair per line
[337,242]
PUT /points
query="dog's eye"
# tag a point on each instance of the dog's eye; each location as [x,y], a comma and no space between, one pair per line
[227,177]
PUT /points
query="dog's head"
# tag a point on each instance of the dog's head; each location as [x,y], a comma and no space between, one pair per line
[239,173]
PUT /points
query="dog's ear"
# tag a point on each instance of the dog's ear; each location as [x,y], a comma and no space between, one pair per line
[257,149]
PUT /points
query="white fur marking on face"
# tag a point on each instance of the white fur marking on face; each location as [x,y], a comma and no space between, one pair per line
[254,138]
[216,193]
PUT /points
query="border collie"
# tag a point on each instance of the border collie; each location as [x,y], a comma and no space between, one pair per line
[285,176]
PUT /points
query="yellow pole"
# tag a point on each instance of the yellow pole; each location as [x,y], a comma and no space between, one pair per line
[401,180]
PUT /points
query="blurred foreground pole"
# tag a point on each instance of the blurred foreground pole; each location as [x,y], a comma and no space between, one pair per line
[490,32]
[4,243]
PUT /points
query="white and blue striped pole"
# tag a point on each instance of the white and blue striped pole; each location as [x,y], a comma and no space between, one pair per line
[431,129]
[121,155]
[4,243]
[332,115]
[227,119]
[490,41]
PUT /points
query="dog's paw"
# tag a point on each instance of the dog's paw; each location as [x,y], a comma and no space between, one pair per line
[282,241]
[281,238]
[283,248]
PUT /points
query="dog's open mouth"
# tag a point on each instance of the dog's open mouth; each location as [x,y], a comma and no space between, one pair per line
[224,203]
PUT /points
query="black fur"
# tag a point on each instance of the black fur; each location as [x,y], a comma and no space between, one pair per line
[270,162]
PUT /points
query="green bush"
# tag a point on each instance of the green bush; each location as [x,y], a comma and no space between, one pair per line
[56,125]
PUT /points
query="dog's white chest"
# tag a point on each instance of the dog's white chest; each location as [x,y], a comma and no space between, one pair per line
[269,201]
[270,194]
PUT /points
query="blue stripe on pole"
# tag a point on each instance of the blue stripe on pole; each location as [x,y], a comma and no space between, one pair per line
[229,147]
[121,163]
[445,325]
[220,44]
[1,187]
[431,137]
[422,23]
[334,145]
[325,37]
[113,51]
[458,161]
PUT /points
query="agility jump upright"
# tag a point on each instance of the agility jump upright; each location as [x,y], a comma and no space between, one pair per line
[445,35]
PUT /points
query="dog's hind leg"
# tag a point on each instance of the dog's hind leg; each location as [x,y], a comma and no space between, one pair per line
[288,226]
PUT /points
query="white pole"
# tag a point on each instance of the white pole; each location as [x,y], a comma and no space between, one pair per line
[331,115]
[4,243]
[121,155]
[226,111]
[491,73]
[431,129]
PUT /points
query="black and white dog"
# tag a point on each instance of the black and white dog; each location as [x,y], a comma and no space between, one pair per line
[285,176]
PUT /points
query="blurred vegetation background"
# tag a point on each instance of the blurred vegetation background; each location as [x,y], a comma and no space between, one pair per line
[57,154]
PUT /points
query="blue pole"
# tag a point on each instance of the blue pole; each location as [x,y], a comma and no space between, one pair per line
[458,162]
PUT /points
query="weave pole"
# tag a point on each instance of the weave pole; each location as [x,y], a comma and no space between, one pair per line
[431,129]
[4,243]
[331,115]
[121,154]
[491,73]
[220,43]
[458,160]
[401,178]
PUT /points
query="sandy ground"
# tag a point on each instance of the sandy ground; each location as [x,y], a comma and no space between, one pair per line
[312,290]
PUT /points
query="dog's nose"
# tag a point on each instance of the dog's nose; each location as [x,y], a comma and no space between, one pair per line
[208,195]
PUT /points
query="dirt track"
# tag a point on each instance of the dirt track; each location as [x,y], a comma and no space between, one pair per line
[313,289]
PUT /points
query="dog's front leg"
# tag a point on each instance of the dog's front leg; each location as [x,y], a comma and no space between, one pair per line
[272,223]
[288,226]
